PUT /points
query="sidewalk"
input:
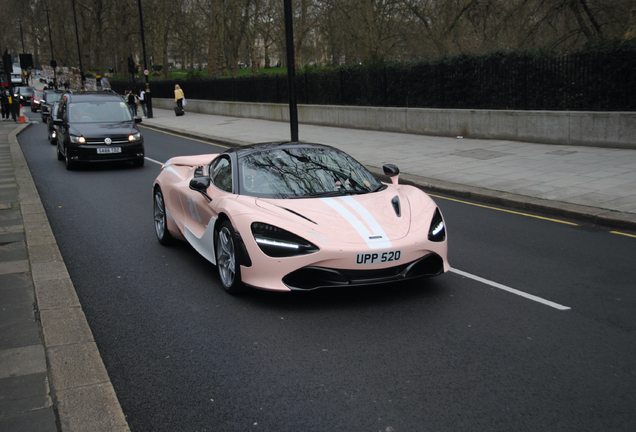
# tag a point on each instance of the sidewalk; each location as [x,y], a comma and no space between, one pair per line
[47,353]
[49,362]
[597,185]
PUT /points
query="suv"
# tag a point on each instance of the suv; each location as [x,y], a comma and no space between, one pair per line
[97,127]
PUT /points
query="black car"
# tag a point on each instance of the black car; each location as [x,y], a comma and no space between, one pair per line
[23,94]
[97,127]
[50,96]
[51,129]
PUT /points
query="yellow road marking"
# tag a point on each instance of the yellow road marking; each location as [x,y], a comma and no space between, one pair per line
[623,234]
[186,137]
[506,211]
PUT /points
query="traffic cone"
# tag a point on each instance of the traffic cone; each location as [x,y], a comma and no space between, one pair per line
[22,119]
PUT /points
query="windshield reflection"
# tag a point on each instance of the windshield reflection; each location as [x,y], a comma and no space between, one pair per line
[304,172]
[98,112]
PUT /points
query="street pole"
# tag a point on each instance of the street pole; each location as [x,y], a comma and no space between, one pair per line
[79,53]
[53,62]
[291,71]
[148,98]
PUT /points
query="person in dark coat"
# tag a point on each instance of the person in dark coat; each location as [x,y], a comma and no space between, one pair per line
[6,107]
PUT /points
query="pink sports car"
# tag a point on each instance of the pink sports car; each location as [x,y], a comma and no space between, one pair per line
[295,216]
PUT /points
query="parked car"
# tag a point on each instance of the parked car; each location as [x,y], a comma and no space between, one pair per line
[51,129]
[36,100]
[296,216]
[50,96]
[97,127]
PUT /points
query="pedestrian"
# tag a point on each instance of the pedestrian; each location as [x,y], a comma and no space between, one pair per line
[6,105]
[15,108]
[178,96]
[130,100]
[142,102]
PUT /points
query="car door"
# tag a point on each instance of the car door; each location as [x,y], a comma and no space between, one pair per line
[200,209]
[62,129]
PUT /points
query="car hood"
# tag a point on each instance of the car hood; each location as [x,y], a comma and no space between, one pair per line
[98,130]
[369,219]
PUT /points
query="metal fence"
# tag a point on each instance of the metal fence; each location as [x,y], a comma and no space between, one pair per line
[596,81]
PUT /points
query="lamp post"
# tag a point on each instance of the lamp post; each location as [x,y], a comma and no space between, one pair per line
[148,98]
[291,71]
[53,62]
[79,53]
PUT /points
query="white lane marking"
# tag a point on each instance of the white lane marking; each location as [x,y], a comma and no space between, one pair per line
[152,160]
[373,243]
[510,290]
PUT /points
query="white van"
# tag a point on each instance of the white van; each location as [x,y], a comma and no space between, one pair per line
[16,75]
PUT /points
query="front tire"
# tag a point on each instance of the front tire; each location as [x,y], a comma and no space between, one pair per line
[67,161]
[226,264]
[161,222]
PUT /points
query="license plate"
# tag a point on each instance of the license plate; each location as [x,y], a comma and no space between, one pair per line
[378,257]
[108,150]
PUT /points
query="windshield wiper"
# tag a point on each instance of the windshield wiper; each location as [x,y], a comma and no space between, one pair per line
[322,194]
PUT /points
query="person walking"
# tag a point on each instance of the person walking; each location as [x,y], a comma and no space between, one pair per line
[142,102]
[130,100]
[178,96]
[6,105]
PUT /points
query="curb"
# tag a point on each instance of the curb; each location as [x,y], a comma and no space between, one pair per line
[83,395]
[594,215]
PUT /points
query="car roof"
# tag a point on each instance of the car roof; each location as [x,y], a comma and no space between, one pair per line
[92,96]
[259,147]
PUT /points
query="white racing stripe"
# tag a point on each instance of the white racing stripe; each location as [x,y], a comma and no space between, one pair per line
[510,290]
[376,239]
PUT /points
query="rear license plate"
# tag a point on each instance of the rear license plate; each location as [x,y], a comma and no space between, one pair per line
[108,150]
[378,257]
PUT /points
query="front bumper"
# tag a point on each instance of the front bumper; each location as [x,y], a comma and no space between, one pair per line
[88,153]
[311,277]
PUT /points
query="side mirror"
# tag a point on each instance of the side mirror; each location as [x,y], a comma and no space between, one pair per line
[58,121]
[393,172]
[137,120]
[201,184]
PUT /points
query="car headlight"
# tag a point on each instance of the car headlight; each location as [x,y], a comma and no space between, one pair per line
[437,230]
[77,139]
[276,242]
[134,137]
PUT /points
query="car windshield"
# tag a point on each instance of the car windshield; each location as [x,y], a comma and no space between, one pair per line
[27,91]
[98,112]
[38,93]
[52,97]
[303,172]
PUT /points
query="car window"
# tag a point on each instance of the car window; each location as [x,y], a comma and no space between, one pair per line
[221,174]
[98,112]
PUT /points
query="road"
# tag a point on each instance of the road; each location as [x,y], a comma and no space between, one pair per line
[442,354]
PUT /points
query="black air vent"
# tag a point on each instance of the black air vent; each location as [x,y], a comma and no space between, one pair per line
[396,206]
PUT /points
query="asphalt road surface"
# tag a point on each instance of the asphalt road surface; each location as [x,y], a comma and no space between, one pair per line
[545,340]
